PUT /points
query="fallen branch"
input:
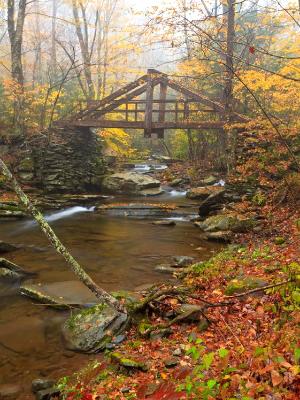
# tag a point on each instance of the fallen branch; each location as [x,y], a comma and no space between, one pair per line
[158,294]
[260,289]
[57,244]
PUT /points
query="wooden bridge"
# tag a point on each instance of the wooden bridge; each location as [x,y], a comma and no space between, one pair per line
[145,104]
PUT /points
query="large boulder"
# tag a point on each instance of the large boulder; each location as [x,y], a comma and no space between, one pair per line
[202,193]
[12,272]
[91,329]
[226,222]
[128,182]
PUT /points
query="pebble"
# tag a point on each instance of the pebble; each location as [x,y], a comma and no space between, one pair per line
[177,352]
[41,384]
[171,362]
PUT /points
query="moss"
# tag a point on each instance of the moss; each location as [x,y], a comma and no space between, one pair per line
[127,362]
[259,199]
[244,284]
[279,240]
[72,321]
[143,327]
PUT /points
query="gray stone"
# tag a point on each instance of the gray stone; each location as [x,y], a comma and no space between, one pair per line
[164,223]
[177,352]
[47,394]
[119,339]
[60,294]
[41,384]
[167,269]
[90,330]
[183,261]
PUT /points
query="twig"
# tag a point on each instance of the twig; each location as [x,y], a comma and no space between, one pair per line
[260,289]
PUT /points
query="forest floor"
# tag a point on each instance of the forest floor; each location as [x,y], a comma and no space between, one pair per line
[241,347]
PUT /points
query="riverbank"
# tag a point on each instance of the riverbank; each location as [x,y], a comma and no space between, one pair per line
[246,349]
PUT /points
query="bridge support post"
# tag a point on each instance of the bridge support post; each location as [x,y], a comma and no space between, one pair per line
[149,106]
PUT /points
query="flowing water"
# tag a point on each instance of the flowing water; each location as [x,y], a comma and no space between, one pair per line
[119,253]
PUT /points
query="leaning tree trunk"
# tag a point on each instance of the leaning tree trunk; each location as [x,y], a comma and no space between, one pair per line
[57,244]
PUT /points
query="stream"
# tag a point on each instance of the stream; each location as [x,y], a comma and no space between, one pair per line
[119,253]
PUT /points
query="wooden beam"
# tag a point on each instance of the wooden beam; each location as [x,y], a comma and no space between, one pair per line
[149,106]
[125,89]
[93,123]
[162,102]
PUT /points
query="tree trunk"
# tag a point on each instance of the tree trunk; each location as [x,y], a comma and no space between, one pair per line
[229,68]
[15,27]
[57,244]
[83,39]
[53,61]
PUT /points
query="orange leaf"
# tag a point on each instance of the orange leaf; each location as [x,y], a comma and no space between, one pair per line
[276,378]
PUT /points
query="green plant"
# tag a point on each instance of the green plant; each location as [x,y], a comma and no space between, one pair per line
[200,382]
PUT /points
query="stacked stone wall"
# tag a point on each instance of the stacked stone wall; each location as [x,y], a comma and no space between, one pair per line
[63,160]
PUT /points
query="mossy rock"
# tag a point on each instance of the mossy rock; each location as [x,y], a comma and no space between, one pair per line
[89,330]
[244,284]
[125,361]
[225,222]
[143,327]
[279,240]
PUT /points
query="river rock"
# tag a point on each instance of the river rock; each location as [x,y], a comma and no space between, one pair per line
[60,294]
[41,384]
[12,272]
[164,222]
[91,329]
[152,192]
[202,193]
[7,247]
[210,180]
[213,202]
[182,261]
[226,222]
[128,182]
[176,182]
[219,236]
[167,269]
[137,210]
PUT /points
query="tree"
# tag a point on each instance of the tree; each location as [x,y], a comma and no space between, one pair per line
[15,27]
